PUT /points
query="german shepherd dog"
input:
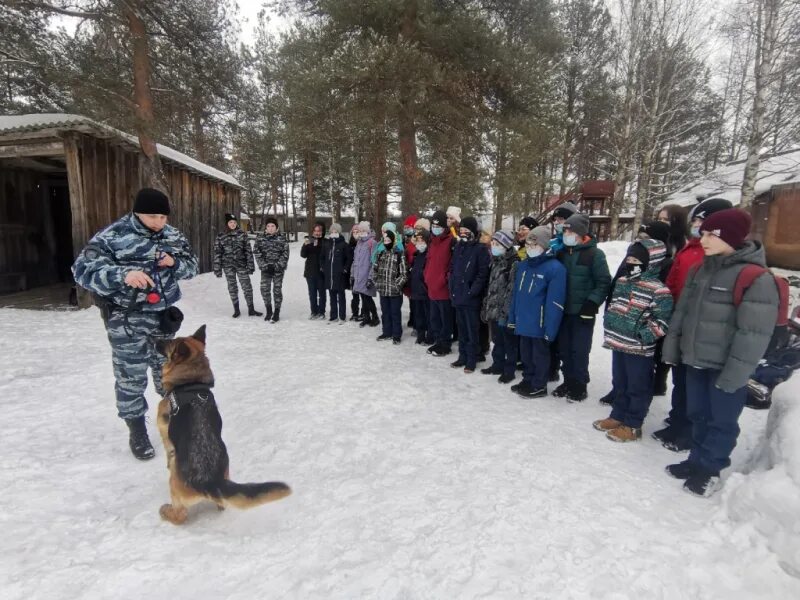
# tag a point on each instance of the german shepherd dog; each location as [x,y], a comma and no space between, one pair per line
[191,428]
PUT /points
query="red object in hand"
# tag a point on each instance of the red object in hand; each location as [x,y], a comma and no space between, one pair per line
[153,298]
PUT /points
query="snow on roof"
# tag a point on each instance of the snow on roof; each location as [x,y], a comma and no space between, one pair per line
[726,181]
[68,122]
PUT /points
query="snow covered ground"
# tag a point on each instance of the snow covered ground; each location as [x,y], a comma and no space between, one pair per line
[411,480]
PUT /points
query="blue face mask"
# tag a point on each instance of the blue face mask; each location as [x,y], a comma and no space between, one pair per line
[695,231]
[437,230]
[570,239]
[498,251]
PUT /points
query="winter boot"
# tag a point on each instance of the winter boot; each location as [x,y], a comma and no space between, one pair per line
[269,313]
[276,316]
[236,312]
[383,337]
[577,392]
[440,351]
[396,341]
[679,444]
[252,312]
[522,388]
[562,390]
[668,434]
[491,371]
[139,440]
[623,434]
[506,378]
[608,424]
[682,470]
[608,399]
[534,393]
[458,363]
[702,483]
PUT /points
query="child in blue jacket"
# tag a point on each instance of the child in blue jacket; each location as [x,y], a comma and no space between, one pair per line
[537,305]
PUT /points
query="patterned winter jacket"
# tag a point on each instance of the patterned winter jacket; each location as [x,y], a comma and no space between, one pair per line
[708,331]
[127,245]
[232,252]
[498,292]
[271,249]
[389,272]
[537,298]
[362,264]
[640,308]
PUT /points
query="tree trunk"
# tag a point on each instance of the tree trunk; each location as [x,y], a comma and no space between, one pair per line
[149,161]
[767,32]
[406,126]
[381,187]
[311,204]
[500,187]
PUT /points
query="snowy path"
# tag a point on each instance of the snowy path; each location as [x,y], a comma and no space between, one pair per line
[411,480]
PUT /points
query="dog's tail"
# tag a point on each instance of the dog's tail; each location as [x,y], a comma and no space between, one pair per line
[248,495]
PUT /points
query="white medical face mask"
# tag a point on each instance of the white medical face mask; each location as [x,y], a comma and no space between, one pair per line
[570,239]
[559,227]
[334,235]
[421,247]
[534,252]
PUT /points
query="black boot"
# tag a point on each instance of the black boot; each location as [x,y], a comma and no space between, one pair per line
[563,390]
[269,313]
[577,392]
[139,441]
[608,399]
[252,312]
[236,312]
[276,316]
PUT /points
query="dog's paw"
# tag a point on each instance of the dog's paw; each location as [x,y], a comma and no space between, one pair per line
[171,514]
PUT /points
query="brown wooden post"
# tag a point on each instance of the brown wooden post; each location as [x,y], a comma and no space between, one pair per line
[77,205]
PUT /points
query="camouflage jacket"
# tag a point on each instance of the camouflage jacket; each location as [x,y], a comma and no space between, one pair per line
[232,252]
[271,250]
[127,245]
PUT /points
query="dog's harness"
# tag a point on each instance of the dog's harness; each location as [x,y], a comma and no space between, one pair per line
[187,394]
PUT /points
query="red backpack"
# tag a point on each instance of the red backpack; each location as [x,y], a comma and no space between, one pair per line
[746,277]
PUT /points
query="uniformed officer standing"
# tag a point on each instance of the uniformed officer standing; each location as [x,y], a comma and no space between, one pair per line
[233,256]
[132,268]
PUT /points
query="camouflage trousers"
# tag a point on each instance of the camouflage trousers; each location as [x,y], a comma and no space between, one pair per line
[244,281]
[272,284]
[132,355]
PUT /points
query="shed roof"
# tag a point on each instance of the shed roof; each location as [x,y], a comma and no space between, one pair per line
[60,122]
[726,181]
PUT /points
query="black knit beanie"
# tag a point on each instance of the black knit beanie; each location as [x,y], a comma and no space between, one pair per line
[439,218]
[229,217]
[151,202]
[656,230]
[638,251]
[470,223]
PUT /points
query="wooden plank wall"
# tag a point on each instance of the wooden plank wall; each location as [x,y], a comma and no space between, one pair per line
[111,178]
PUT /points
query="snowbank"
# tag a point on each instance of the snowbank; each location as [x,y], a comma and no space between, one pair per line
[765,495]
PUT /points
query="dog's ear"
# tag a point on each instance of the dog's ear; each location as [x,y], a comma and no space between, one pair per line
[200,334]
[180,352]
[162,347]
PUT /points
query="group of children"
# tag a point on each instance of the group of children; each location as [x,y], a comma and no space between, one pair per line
[672,304]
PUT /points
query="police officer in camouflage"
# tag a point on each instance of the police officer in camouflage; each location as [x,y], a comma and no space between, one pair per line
[272,255]
[132,268]
[232,255]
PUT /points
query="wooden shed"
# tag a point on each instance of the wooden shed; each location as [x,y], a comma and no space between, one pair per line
[64,177]
[776,223]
